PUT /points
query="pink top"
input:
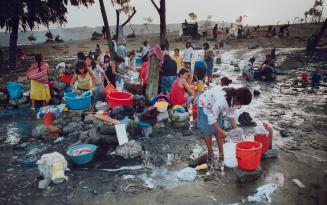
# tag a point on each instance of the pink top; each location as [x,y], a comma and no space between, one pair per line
[177,94]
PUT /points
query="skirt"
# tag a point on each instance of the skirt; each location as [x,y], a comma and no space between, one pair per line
[203,125]
[166,83]
[39,91]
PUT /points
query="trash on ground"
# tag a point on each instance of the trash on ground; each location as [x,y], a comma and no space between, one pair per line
[263,192]
[298,183]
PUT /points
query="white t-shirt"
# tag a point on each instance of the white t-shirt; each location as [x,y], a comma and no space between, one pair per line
[129,63]
[145,50]
[188,53]
[214,103]
[98,74]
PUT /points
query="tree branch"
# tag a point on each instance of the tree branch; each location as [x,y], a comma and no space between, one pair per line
[155,6]
[129,18]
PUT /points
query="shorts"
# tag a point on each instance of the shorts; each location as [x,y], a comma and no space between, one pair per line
[203,125]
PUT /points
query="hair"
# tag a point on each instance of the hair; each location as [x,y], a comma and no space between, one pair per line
[145,42]
[252,60]
[80,64]
[268,56]
[119,59]
[176,49]
[206,45]
[145,58]
[225,81]
[81,55]
[38,59]
[131,53]
[106,57]
[243,95]
[182,72]
[93,64]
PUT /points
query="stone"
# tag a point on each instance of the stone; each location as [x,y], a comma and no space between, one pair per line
[284,134]
[271,153]
[89,119]
[187,174]
[43,184]
[70,128]
[58,121]
[84,135]
[198,159]
[107,130]
[39,130]
[130,150]
[247,176]
[72,113]
[76,119]
[256,93]
[98,123]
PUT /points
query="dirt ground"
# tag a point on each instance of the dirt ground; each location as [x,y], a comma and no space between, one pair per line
[300,112]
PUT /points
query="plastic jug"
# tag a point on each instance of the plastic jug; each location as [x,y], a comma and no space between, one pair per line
[230,160]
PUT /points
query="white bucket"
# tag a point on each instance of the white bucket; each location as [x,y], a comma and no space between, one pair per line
[230,160]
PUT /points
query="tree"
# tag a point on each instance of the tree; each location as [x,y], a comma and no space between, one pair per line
[193,16]
[107,29]
[162,13]
[123,6]
[23,14]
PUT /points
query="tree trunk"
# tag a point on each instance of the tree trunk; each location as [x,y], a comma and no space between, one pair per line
[107,29]
[163,28]
[117,24]
[13,43]
[321,33]
[153,78]
[2,67]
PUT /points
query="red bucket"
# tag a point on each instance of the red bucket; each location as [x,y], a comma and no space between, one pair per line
[48,118]
[264,140]
[119,98]
[194,112]
[248,154]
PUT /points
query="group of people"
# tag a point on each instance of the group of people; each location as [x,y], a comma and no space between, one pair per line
[266,71]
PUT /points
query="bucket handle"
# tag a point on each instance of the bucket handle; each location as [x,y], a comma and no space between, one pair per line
[247,157]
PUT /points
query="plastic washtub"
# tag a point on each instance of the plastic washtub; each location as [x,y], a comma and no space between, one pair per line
[83,158]
[75,102]
[115,99]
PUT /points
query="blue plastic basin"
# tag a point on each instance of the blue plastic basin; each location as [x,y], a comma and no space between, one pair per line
[78,103]
[82,159]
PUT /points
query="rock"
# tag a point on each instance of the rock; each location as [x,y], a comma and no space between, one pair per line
[95,137]
[254,46]
[245,119]
[271,153]
[89,119]
[198,159]
[107,130]
[71,127]
[187,174]
[130,150]
[98,123]
[72,113]
[43,184]
[284,134]
[84,135]
[256,93]
[76,119]
[246,176]
[39,130]
[58,121]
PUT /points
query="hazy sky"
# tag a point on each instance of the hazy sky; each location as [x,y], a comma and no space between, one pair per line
[258,11]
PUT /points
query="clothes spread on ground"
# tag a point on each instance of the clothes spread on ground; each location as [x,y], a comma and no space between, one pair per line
[213,102]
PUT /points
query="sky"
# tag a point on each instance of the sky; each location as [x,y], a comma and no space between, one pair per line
[262,12]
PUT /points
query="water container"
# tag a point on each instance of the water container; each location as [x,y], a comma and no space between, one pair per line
[230,160]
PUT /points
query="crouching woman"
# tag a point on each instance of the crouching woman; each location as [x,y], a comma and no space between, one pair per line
[214,104]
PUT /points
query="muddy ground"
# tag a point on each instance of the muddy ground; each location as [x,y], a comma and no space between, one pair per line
[300,112]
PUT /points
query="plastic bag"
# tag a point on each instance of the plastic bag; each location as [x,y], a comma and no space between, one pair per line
[53,167]
[235,135]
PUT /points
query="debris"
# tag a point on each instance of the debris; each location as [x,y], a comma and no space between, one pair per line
[213,198]
[101,106]
[124,168]
[263,192]
[187,174]
[284,134]
[201,167]
[59,139]
[245,176]
[43,184]
[198,156]
[12,136]
[129,150]
[298,183]
[271,153]
[121,134]
[39,130]
[276,178]
[53,166]
[256,93]
[245,119]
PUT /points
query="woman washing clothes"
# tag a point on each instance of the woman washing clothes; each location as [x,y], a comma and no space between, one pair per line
[181,93]
[84,78]
[38,74]
[214,104]
[100,75]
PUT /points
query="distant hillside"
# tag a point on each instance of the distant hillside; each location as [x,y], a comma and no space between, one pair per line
[81,33]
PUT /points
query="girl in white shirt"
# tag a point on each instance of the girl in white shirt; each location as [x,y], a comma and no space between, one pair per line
[213,105]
